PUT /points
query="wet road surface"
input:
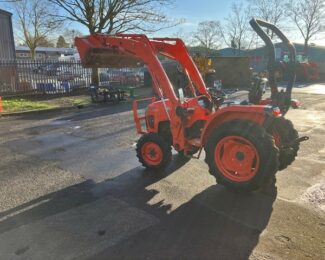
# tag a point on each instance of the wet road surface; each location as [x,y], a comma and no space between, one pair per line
[71,188]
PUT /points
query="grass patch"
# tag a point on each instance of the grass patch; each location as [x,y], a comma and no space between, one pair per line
[20,104]
[73,101]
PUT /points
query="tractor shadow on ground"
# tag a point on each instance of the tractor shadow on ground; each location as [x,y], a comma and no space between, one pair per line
[215,224]
[83,193]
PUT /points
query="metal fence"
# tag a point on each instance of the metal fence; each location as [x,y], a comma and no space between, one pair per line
[56,77]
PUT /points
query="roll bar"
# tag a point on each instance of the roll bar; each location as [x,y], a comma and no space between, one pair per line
[257,25]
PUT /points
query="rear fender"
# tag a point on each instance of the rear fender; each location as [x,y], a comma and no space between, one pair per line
[255,114]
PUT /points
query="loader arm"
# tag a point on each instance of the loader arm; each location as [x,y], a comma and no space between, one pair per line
[126,50]
[178,52]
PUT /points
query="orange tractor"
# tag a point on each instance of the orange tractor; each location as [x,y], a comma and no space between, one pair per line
[245,145]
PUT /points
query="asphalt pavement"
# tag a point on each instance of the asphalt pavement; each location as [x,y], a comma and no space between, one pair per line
[71,188]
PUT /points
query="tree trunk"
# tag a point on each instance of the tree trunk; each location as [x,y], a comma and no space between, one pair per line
[94,71]
[32,53]
[306,48]
[95,76]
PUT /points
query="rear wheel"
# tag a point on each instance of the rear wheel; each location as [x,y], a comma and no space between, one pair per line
[153,151]
[242,155]
[284,135]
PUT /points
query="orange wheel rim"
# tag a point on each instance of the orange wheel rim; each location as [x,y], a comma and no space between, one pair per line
[237,158]
[151,153]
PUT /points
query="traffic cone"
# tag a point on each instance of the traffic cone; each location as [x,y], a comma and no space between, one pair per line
[0,104]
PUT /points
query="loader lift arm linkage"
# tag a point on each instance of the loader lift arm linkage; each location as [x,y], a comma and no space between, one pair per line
[137,45]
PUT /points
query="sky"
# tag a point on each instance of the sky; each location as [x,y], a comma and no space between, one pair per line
[195,11]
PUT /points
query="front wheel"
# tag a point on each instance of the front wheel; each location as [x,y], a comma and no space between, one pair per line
[241,155]
[153,151]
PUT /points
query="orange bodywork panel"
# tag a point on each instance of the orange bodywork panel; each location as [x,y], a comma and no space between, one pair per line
[254,114]
[158,111]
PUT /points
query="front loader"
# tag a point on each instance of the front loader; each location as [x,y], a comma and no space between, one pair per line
[245,145]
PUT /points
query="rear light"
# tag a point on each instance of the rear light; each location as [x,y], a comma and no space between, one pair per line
[276,112]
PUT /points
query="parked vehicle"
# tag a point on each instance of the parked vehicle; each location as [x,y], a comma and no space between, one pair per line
[64,71]
[40,68]
[50,69]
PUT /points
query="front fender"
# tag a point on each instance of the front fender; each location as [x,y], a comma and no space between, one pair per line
[253,113]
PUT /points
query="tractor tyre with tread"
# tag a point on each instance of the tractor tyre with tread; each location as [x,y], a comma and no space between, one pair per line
[284,134]
[153,151]
[242,156]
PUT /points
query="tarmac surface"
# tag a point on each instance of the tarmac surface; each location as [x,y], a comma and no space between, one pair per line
[71,188]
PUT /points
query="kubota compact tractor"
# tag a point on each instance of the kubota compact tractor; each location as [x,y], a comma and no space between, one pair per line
[245,145]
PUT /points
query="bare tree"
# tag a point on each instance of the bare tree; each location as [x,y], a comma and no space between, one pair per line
[35,22]
[45,42]
[185,36]
[236,31]
[115,16]
[208,35]
[70,34]
[308,16]
[61,43]
[273,11]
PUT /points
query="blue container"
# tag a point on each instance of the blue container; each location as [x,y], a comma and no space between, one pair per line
[66,86]
[46,87]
